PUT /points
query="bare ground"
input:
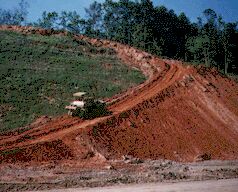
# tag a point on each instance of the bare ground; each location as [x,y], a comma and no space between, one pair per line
[224,185]
[117,172]
[180,113]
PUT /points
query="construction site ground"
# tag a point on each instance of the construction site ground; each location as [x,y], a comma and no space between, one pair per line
[194,186]
[181,124]
[114,173]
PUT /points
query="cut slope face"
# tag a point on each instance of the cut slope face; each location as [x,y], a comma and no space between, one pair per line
[179,113]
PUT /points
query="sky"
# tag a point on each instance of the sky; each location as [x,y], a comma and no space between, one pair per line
[192,8]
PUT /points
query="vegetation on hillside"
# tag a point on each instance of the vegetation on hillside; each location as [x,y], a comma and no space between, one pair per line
[39,74]
[156,29]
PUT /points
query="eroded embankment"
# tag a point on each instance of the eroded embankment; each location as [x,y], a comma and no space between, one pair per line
[179,113]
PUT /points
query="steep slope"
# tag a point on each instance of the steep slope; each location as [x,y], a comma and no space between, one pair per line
[179,113]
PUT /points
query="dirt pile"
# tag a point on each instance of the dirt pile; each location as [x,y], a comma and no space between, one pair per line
[180,113]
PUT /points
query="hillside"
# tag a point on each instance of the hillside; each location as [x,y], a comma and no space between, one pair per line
[39,74]
[180,113]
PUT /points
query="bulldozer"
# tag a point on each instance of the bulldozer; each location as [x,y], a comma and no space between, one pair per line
[87,107]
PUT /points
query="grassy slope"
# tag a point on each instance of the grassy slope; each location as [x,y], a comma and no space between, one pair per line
[38,75]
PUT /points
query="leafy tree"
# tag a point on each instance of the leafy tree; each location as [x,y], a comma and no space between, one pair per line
[184,31]
[48,20]
[210,29]
[16,16]
[199,48]
[94,23]
[205,45]
[71,21]
[229,42]
[146,23]
[119,20]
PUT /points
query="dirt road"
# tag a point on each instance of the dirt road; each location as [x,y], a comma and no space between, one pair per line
[225,185]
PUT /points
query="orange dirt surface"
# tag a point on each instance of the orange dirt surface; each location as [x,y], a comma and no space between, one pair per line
[179,113]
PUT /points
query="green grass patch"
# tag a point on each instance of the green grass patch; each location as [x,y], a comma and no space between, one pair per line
[39,74]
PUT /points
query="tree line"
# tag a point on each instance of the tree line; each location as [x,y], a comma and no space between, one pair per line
[155,29]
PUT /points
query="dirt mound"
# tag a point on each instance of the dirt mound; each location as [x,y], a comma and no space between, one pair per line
[179,113]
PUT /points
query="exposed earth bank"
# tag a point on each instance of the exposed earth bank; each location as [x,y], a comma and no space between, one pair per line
[180,113]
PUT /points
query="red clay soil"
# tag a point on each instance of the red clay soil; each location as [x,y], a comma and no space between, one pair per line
[179,113]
